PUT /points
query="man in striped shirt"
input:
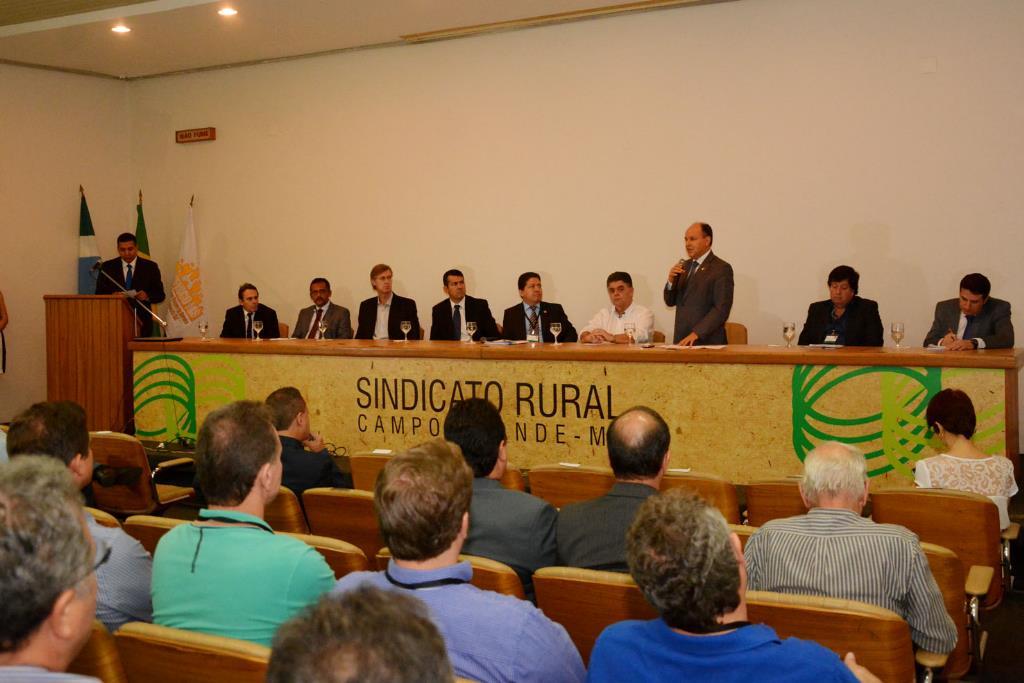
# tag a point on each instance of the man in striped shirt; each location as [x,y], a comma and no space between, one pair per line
[832,551]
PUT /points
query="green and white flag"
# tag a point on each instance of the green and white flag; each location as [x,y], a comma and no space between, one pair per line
[88,253]
[141,238]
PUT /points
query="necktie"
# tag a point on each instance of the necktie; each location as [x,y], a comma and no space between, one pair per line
[534,321]
[248,326]
[457,323]
[693,268]
[128,278]
[969,330]
[315,327]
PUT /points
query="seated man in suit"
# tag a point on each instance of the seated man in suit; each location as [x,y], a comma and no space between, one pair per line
[817,553]
[592,534]
[690,568]
[844,318]
[449,317]
[609,324]
[368,635]
[47,572]
[422,499]
[238,320]
[304,461]
[337,318]
[974,321]
[133,273]
[57,430]
[228,573]
[532,319]
[381,316]
[508,526]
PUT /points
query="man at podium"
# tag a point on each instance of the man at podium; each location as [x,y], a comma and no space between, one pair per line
[138,275]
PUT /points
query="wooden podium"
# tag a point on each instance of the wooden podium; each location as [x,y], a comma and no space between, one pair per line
[87,357]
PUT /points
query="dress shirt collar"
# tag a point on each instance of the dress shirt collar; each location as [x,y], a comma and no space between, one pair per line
[701,259]
[460,570]
[125,264]
[625,313]
[391,298]
[460,304]
[527,307]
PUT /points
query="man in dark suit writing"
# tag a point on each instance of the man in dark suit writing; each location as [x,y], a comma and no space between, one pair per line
[381,316]
[844,318]
[532,319]
[700,287]
[449,317]
[239,320]
[974,320]
[134,274]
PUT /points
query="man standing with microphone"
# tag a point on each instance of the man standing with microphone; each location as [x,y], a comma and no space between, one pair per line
[700,287]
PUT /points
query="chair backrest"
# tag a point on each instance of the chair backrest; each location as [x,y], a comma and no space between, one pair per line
[365,468]
[285,514]
[657,337]
[966,523]
[735,333]
[342,557]
[158,654]
[103,518]
[149,529]
[879,638]
[714,489]
[121,451]
[513,479]
[950,577]
[346,514]
[282,330]
[488,575]
[561,485]
[773,499]
[744,532]
[585,601]
[99,657]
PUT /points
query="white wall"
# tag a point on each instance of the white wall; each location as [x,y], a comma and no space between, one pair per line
[886,135]
[57,131]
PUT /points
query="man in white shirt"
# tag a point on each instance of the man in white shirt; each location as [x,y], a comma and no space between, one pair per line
[611,324]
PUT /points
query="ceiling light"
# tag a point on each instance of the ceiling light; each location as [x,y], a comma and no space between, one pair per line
[120,28]
[227,12]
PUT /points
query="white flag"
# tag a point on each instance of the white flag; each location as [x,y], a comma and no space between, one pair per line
[186,300]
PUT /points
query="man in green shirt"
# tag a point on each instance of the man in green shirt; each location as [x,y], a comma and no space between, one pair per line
[228,573]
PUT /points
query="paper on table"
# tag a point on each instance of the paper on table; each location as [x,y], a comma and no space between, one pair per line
[678,470]
[825,346]
[935,347]
[677,347]
[569,464]
[381,451]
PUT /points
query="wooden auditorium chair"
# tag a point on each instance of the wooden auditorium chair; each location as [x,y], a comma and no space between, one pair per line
[365,468]
[714,489]
[133,495]
[561,485]
[159,654]
[103,518]
[99,657]
[744,532]
[735,333]
[770,499]
[346,514]
[488,574]
[342,557]
[285,514]
[149,529]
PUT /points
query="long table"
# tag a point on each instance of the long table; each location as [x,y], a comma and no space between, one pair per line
[743,412]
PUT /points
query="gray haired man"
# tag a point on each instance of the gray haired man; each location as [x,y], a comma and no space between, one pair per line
[47,572]
[833,551]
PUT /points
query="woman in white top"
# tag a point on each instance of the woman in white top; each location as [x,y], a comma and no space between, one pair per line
[964,466]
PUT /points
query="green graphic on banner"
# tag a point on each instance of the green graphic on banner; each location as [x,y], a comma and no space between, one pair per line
[178,389]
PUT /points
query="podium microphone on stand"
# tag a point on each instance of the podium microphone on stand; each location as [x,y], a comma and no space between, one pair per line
[130,293]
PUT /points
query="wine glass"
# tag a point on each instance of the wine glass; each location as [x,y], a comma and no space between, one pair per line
[406,328]
[897,333]
[789,333]
[322,326]
[630,330]
[470,329]
[257,327]
[556,329]
[204,327]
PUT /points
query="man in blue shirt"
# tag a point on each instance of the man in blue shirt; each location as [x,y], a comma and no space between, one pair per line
[690,568]
[422,500]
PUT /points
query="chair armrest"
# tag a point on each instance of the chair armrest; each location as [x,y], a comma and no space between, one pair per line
[979,578]
[930,660]
[168,464]
[1011,532]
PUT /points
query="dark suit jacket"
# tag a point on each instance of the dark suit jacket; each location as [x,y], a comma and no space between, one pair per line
[401,309]
[514,323]
[863,324]
[145,278]
[592,534]
[702,301]
[993,324]
[339,322]
[473,309]
[234,323]
[304,469]
[511,527]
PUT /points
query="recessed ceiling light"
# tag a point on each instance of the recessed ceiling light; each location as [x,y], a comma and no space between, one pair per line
[120,28]
[227,12]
